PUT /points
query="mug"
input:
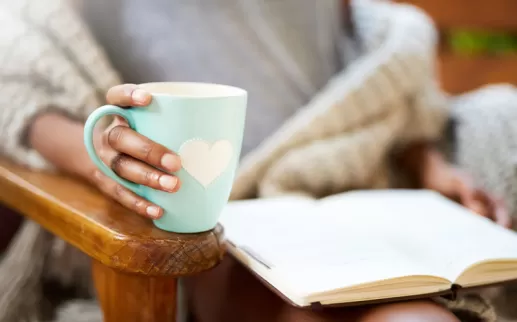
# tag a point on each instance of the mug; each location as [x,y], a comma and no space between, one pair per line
[204,125]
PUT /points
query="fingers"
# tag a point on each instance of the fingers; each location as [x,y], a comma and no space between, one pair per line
[503,217]
[126,141]
[128,95]
[467,196]
[480,202]
[125,197]
[501,214]
[497,210]
[141,173]
[491,208]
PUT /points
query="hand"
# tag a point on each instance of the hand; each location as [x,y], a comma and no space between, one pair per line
[133,156]
[456,185]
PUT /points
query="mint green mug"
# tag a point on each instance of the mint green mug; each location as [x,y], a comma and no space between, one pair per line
[204,125]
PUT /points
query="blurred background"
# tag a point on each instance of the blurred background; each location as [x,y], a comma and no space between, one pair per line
[478,41]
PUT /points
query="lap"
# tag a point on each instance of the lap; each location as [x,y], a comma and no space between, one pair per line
[230,293]
[10,222]
[484,143]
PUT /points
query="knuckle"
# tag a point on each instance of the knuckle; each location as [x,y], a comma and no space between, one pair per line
[105,136]
[97,176]
[104,155]
[139,205]
[151,177]
[119,163]
[116,134]
[119,120]
[128,89]
[119,191]
[147,150]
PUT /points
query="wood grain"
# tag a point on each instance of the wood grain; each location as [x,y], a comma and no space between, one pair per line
[477,14]
[134,298]
[461,73]
[104,230]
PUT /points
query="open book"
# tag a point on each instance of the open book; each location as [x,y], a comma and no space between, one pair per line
[366,246]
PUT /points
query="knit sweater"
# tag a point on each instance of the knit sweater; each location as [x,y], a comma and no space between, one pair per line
[340,139]
[49,61]
[282,52]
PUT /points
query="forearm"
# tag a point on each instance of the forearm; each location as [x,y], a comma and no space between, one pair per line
[60,141]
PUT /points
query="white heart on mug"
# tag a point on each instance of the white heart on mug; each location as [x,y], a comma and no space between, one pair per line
[204,162]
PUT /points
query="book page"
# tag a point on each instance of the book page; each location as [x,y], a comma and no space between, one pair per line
[254,220]
[310,251]
[424,226]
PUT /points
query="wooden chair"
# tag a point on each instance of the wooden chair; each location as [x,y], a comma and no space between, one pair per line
[135,265]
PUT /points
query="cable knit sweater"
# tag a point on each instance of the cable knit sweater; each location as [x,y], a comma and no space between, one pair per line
[340,139]
[49,61]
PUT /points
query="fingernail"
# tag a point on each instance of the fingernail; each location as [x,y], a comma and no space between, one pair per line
[153,211]
[140,96]
[168,182]
[170,162]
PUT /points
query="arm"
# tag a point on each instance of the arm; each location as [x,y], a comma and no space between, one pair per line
[59,140]
[418,159]
[38,104]
[66,152]
[429,169]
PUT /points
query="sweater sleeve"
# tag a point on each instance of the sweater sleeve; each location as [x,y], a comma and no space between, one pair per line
[49,62]
[384,100]
[427,106]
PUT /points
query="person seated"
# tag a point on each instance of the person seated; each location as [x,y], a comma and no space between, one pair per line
[296,59]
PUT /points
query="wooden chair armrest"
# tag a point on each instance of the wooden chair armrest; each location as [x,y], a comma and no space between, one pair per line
[104,230]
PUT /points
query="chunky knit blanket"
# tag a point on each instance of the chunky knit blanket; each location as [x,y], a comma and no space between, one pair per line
[341,140]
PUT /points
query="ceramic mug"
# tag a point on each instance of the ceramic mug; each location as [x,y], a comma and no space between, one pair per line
[204,125]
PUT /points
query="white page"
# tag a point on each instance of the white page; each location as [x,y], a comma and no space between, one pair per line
[312,251]
[254,221]
[425,226]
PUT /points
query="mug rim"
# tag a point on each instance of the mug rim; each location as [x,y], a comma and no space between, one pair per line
[199,90]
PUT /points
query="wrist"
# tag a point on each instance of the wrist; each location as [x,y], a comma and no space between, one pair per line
[422,161]
[431,170]
[60,141]
[434,168]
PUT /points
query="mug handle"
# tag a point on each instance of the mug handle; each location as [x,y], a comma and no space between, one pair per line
[88,142]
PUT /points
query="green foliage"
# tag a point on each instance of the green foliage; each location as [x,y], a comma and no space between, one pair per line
[481,42]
